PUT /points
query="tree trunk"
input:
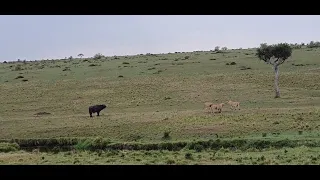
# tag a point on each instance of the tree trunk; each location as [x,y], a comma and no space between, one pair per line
[276,81]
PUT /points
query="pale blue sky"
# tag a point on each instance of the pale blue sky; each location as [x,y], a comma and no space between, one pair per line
[50,37]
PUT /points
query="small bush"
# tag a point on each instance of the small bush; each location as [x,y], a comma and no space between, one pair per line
[24,80]
[158,72]
[98,56]
[232,63]
[212,59]
[125,63]
[66,69]
[120,76]
[42,113]
[91,144]
[188,156]
[18,67]
[19,77]
[198,147]
[170,161]
[41,67]
[298,64]
[7,147]
[166,135]
[82,145]
[244,68]
[186,57]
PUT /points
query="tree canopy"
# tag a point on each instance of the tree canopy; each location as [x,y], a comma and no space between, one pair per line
[274,54]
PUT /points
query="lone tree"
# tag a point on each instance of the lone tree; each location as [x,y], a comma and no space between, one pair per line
[224,48]
[98,56]
[275,55]
[80,55]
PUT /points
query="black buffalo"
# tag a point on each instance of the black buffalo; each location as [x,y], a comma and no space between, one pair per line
[96,109]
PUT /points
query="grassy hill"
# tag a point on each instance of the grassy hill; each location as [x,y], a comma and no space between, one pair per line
[150,95]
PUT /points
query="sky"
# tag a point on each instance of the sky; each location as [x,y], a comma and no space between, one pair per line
[35,37]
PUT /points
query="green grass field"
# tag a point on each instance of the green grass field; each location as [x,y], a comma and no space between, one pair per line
[301,155]
[150,95]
